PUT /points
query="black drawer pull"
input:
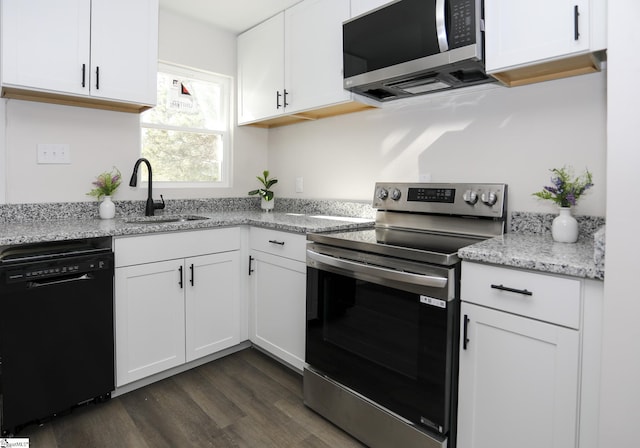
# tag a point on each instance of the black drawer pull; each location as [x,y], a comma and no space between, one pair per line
[517,291]
[280,243]
[465,336]
[576,30]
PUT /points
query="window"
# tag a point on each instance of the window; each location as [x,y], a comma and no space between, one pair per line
[186,136]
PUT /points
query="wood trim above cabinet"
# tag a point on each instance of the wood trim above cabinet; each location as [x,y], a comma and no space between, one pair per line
[547,71]
[312,115]
[70,100]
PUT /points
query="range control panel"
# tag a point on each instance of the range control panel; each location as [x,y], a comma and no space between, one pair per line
[463,199]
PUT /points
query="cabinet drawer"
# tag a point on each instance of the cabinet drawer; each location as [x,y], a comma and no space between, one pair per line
[538,296]
[283,244]
[168,246]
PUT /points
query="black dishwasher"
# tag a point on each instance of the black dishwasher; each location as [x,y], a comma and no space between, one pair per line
[56,329]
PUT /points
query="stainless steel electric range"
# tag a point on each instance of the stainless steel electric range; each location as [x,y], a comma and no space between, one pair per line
[383,312]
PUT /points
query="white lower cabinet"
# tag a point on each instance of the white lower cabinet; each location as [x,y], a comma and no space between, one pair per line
[278,298]
[179,309]
[524,343]
[518,382]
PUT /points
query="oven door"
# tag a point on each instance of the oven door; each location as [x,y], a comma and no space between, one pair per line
[389,335]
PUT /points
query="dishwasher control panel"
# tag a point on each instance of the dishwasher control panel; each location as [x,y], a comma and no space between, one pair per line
[56,268]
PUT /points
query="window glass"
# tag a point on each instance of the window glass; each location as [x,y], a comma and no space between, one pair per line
[186,136]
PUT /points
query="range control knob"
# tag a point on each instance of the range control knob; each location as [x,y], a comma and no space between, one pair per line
[489,198]
[470,197]
[382,193]
[396,194]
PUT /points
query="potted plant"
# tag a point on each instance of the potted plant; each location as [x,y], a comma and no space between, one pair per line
[565,192]
[265,193]
[106,185]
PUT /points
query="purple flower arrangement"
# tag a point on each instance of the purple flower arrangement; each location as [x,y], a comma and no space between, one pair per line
[106,183]
[564,190]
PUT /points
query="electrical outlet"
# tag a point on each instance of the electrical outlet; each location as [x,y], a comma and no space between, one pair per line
[299,185]
[54,153]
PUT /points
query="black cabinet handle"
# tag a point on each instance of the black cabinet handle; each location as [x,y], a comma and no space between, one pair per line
[576,31]
[278,95]
[192,276]
[279,243]
[84,70]
[250,260]
[517,291]
[285,98]
[465,332]
[180,282]
[97,78]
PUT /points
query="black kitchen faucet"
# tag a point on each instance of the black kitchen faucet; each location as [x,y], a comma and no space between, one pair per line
[151,204]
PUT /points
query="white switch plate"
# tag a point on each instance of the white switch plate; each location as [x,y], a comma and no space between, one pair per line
[54,153]
[299,185]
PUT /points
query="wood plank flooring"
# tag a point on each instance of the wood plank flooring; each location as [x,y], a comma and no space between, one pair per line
[243,400]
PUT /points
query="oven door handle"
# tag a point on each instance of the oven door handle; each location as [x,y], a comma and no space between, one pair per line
[388,274]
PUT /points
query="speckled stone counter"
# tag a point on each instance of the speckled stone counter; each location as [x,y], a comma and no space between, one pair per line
[33,227]
[529,245]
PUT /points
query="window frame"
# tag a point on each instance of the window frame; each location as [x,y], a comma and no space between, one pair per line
[226,83]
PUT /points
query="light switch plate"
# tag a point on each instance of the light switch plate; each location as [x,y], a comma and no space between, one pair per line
[54,153]
[299,185]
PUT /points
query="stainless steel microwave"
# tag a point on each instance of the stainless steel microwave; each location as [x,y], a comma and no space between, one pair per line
[413,47]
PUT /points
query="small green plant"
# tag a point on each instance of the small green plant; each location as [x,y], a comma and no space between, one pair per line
[106,183]
[564,191]
[265,193]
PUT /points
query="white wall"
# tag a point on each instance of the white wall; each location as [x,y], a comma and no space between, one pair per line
[102,139]
[498,135]
[620,392]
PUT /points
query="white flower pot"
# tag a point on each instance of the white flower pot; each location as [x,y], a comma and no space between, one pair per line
[267,205]
[564,228]
[107,209]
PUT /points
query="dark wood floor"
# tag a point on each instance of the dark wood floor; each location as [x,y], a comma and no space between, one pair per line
[243,400]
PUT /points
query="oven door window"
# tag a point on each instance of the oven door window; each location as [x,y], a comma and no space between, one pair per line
[384,343]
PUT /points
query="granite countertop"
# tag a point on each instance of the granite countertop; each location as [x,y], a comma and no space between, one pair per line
[66,229]
[538,252]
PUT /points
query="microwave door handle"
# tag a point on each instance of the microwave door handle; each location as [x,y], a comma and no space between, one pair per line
[389,274]
[441,26]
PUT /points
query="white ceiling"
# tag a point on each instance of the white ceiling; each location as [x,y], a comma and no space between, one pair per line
[232,15]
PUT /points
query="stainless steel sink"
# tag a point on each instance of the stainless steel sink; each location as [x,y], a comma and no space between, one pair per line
[163,219]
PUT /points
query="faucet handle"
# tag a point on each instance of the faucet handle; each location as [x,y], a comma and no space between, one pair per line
[159,206]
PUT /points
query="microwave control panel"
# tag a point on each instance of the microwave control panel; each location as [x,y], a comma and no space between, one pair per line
[462,31]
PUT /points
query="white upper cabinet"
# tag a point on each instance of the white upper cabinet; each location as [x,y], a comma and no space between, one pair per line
[560,33]
[124,50]
[313,54]
[91,52]
[45,44]
[290,66]
[261,71]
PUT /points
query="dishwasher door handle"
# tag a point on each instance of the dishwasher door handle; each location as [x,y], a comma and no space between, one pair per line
[80,278]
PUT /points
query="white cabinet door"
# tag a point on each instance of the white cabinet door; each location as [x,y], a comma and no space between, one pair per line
[45,44]
[520,33]
[104,49]
[150,324]
[212,303]
[124,50]
[278,306]
[518,383]
[361,6]
[261,71]
[313,54]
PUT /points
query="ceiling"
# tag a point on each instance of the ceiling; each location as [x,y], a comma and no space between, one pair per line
[233,15]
